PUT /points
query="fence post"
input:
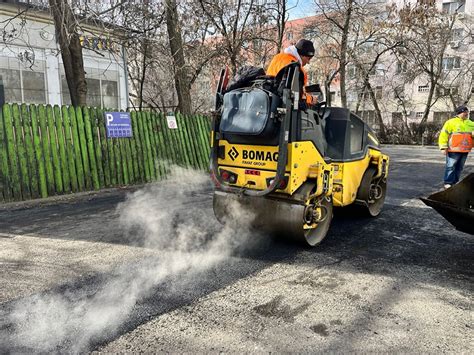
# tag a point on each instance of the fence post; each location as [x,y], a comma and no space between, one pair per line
[58,179]
[81,184]
[69,146]
[62,149]
[5,174]
[90,149]
[21,151]
[137,171]
[30,152]
[83,146]
[96,146]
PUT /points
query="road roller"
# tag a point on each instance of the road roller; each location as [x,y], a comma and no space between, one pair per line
[288,164]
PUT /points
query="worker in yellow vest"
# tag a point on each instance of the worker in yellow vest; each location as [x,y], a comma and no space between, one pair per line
[455,140]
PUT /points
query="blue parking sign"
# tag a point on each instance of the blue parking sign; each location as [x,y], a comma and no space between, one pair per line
[118,124]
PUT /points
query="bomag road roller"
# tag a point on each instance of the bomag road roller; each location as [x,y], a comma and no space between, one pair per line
[290,165]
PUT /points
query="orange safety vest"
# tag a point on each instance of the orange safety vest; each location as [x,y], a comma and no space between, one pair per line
[460,142]
[280,61]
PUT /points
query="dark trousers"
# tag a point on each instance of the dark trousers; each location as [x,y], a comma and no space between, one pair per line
[454,165]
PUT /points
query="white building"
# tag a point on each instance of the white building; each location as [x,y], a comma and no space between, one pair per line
[31,66]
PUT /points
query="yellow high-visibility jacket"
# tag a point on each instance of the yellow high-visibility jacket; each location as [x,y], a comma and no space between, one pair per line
[454,125]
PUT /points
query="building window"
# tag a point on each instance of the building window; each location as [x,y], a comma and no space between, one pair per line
[426,2]
[368,117]
[397,118]
[378,92]
[12,84]
[289,36]
[351,96]
[93,92]
[458,34]
[351,71]
[109,93]
[399,92]
[446,91]
[454,6]
[423,88]
[23,83]
[377,69]
[441,117]
[33,87]
[401,67]
[257,44]
[419,115]
[451,63]
[93,97]
[102,88]
[363,95]
[309,32]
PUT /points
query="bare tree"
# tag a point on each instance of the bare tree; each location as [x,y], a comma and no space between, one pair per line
[456,86]
[278,14]
[370,46]
[242,29]
[145,41]
[426,33]
[176,45]
[399,83]
[67,36]
[337,29]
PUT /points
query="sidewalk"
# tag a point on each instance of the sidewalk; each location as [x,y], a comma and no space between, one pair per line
[410,146]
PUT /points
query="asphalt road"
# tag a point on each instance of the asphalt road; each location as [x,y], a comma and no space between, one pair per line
[150,270]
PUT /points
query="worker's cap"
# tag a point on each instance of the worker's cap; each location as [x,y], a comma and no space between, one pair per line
[461,109]
[305,47]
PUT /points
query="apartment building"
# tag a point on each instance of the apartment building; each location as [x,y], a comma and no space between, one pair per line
[399,98]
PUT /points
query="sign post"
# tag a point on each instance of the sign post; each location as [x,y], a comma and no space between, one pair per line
[171,120]
[118,124]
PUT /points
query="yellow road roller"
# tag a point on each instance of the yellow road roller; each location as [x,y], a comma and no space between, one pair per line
[288,164]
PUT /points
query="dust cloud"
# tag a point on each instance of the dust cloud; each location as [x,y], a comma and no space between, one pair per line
[165,217]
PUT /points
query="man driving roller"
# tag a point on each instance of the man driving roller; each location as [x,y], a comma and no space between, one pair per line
[302,52]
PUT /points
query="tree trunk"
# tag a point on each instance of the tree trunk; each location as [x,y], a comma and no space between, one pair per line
[281,23]
[327,91]
[429,102]
[143,73]
[71,50]
[382,130]
[343,52]
[176,45]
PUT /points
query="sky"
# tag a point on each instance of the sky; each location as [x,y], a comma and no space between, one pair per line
[301,8]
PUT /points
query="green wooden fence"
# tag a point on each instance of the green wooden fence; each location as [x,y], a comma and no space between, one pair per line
[47,150]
